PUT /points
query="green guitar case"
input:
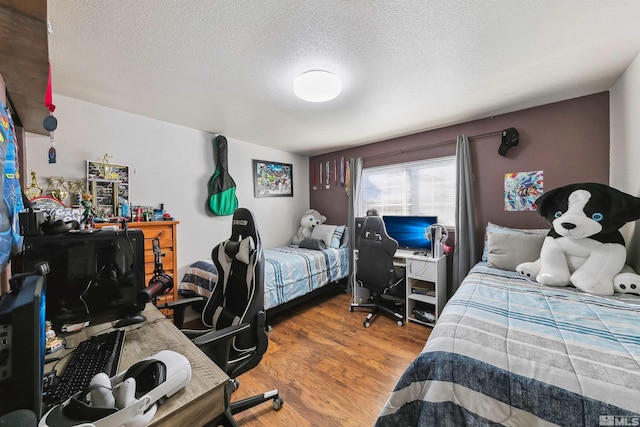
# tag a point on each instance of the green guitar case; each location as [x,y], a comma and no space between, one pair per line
[222,188]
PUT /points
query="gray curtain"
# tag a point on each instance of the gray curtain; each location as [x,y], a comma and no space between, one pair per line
[355,198]
[464,256]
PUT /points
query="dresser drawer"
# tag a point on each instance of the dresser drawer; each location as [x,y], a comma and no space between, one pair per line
[421,269]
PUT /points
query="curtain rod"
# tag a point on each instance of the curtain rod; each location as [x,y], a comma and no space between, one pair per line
[437,144]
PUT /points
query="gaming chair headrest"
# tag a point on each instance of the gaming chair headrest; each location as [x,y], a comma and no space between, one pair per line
[241,250]
[374,234]
[373,228]
[243,225]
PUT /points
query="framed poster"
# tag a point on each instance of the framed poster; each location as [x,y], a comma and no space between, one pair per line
[272,179]
[522,189]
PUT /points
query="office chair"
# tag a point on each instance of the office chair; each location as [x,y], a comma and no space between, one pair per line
[375,270]
[236,338]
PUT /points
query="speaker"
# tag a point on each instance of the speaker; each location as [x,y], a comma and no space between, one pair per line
[30,222]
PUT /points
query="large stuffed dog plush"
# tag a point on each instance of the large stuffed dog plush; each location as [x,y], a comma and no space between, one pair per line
[584,248]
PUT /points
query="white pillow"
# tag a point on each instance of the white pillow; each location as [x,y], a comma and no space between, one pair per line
[324,232]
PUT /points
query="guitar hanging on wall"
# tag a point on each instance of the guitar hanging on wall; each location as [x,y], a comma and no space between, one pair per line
[222,199]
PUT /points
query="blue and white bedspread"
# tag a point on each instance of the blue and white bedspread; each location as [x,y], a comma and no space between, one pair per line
[508,351]
[290,272]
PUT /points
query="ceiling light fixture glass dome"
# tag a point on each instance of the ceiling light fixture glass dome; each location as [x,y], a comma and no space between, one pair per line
[317,86]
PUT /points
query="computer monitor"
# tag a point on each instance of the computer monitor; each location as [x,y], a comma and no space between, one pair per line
[409,231]
[94,277]
[22,346]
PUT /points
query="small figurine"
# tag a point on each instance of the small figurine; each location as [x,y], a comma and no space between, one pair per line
[89,212]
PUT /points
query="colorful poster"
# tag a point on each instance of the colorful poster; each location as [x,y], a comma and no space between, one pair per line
[521,190]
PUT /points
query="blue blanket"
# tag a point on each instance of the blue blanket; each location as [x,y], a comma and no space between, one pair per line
[508,351]
[290,272]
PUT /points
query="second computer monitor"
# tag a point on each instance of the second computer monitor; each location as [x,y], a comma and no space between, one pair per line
[94,277]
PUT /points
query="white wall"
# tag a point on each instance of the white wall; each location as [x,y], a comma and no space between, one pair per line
[169,164]
[625,148]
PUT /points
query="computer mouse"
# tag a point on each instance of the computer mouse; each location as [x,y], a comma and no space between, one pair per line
[130,320]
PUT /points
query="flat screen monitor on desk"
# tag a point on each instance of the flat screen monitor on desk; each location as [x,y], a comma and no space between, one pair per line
[94,277]
[409,231]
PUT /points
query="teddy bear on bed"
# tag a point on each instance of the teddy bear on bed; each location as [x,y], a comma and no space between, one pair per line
[584,248]
[309,220]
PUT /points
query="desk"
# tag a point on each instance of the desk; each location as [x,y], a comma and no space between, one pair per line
[196,404]
[420,271]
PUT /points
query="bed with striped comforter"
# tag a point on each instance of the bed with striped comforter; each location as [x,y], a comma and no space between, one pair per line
[508,351]
[290,272]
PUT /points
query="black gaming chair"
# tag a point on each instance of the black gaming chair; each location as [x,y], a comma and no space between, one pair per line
[375,270]
[234,313]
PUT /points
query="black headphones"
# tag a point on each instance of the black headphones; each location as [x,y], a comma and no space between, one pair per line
[57,227]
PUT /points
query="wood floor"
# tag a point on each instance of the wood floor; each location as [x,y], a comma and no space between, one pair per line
[329,369]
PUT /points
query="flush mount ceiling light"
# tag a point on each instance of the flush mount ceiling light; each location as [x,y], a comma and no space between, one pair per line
[317,86]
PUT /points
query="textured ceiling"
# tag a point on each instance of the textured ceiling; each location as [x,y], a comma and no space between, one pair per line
[228,66]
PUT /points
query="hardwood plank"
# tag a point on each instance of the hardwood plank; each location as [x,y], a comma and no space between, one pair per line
[329,368]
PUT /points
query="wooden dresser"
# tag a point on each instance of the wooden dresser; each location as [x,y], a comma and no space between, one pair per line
[165,231]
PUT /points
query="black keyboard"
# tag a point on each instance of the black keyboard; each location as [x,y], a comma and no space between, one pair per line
[99,353]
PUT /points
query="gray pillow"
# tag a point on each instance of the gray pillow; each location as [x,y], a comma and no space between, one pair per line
[493,228]
[507,251]
[311,243]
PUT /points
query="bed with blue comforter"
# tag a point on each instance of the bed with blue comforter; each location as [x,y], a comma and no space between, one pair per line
[508,351]
[290,273]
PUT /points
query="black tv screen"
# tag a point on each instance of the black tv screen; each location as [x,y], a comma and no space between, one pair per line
[409,231]
[94,277]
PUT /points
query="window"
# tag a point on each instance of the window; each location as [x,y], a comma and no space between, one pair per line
[426,187]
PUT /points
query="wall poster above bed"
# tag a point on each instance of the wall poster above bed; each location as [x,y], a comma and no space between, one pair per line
[521,190]
[272,179]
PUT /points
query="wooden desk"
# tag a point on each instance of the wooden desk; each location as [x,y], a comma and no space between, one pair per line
[196,404]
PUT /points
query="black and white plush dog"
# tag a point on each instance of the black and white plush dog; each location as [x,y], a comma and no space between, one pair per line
[584,248]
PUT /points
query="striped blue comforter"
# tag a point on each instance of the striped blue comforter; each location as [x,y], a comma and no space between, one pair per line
[290,272]
[508,351]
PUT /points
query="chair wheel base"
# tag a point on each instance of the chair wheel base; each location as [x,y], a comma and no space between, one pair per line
[277,403]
